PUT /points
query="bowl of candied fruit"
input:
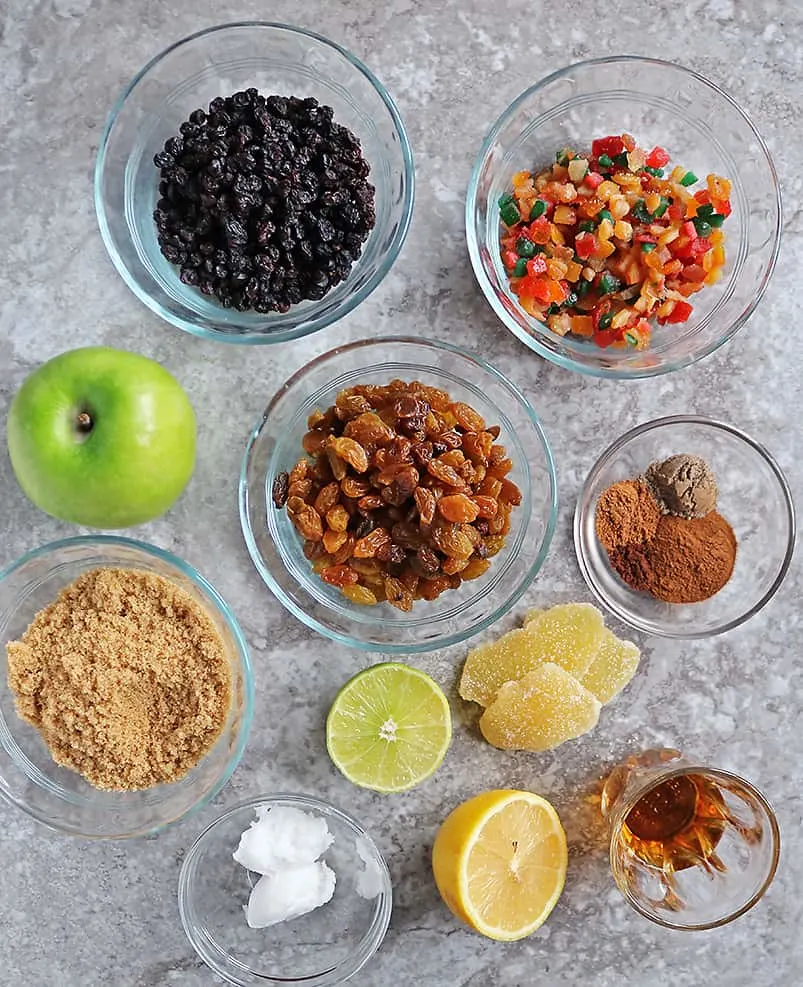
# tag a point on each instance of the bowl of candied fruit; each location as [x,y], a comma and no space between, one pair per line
[398,495]
[254,183]
[623,217]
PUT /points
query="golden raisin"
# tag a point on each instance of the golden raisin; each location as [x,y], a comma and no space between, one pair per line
[446,474]
[452,542]
[359,594]
[491,486]
[458,508]
[300,488]
[397,594]
[467,418]
[426,504]
[476,568]
[337,518]
[368,429]
[493,545]
[313,442]
[346,550]
[350,452]
[486,506]
[367,546]
[510,493]
[327,497]
[336,464]
[333,540]
[307,522]
[339,575]
[354,487]
[431,589]
[300,471]
[452,566]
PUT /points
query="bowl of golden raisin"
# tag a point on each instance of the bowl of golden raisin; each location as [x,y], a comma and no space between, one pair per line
[398,495]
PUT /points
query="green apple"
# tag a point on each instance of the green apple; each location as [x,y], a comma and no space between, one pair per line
[102,437]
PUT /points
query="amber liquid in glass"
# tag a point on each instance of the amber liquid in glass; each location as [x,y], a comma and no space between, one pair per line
[677,824]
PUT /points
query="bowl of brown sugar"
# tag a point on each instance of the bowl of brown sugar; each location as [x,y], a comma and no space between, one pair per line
[685,527]
[126,693]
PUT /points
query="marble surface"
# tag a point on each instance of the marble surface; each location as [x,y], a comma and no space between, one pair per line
[75,914]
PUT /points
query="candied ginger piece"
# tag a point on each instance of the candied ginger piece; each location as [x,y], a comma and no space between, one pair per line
[540,711]
[568,635]
[490,665]
[614,666]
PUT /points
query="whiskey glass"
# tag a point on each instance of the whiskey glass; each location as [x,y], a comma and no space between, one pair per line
[691,847]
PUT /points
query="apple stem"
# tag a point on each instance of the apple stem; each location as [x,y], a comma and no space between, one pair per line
[84,422]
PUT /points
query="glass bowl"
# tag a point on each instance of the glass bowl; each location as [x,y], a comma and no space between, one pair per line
[659,103]
[754,498]
[60,798]
[219,61]
[276,549]
[720,862]
[319,949]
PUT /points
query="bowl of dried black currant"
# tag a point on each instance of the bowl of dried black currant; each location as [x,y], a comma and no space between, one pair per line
[254,183]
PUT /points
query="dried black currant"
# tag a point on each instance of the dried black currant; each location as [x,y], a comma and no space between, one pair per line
[267,186]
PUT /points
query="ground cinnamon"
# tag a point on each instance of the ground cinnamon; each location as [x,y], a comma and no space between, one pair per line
[627,513]
[687,561]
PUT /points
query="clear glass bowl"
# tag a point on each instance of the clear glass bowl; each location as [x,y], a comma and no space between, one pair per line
[720,863]
[703,129]
[30,779]
[276,549]
[754,498]
[219,61]
[319,949]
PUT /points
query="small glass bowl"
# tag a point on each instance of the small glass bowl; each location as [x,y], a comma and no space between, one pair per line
[30,779]
[276,548]
[754,498]
[704,886]
[274,58]
[320,949]
[659,103]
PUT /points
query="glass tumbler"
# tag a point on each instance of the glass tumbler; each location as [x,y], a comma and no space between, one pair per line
[691,847]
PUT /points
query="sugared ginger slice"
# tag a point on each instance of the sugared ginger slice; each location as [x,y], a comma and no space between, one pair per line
[568,635]
[614,666]
[541,710]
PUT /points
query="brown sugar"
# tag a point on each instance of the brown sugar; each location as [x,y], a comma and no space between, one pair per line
[627,513]
[126,678]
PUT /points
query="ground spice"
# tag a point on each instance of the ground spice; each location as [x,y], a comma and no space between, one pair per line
[627,513]
[687,561]
[126,678]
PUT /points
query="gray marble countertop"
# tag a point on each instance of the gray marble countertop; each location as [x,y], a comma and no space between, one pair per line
[76,914]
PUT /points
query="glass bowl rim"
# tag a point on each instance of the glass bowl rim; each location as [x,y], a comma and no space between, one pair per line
[609,454]
[720,774]
[243,655]
[532,342]
[308,325]
[369,942]
[410,647]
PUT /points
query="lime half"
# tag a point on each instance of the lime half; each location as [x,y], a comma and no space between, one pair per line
[389,728]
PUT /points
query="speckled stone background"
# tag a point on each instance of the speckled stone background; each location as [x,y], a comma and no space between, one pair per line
[75,914]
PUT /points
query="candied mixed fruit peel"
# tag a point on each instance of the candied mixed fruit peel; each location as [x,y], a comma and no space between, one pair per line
[539,711]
